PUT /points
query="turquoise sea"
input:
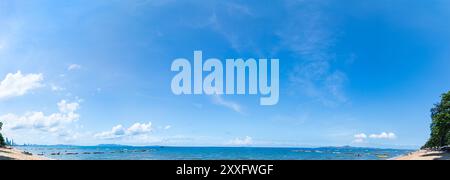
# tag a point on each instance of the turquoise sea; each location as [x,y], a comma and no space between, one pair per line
[114,152]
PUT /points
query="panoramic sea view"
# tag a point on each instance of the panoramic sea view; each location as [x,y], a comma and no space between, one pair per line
[114,152]
[223,88]
[218,80]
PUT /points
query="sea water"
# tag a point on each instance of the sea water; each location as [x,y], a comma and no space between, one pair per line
[111,152]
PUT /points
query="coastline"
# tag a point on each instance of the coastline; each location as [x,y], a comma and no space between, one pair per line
[9,153]
[425,155]
[12,153]
[123,152]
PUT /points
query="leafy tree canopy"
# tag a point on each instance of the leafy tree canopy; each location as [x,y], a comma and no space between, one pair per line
[2,141]
[440,125]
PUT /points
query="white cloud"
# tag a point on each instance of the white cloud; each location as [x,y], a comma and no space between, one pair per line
[116,131]
[18,84]
[138,128]
[119,131]
[362,137]
[66,107]
[383,135]
[39,121]
[56,88]
[73,67]
[167,127]
[217,99]
[241,141]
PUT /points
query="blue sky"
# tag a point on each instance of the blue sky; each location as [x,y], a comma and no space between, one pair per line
[360,73]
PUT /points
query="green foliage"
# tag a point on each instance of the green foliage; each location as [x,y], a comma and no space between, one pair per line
[440,125]
[2,141]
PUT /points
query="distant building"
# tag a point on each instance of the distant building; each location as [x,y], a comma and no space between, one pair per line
[10,142]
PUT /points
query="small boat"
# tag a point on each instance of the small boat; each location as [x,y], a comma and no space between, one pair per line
[382,156]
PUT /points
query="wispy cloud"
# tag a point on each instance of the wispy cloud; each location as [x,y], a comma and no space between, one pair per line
[308,32]
[74,67]
[56,88]
[334,84]
[223,17]
[153,3]
[11,28]
[2,44]
[311,35]
[236,8]
[219,100]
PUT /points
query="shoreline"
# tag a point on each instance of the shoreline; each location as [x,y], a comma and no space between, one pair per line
[425,155]
[10,153]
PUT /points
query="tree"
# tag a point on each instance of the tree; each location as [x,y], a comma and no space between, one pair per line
[440,126]
[2,141]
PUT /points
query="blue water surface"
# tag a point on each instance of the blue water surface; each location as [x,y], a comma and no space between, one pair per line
[114,152]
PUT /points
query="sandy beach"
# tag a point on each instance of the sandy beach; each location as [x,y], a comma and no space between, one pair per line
[425,155]
[14,154]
